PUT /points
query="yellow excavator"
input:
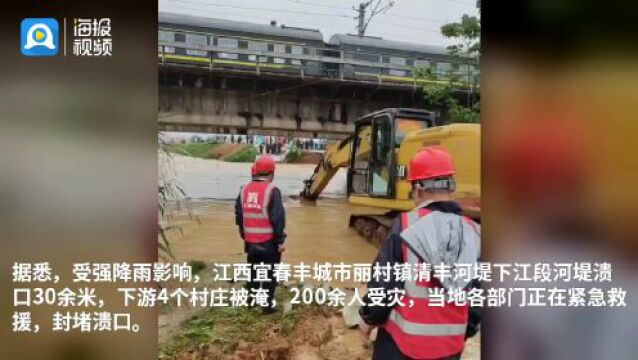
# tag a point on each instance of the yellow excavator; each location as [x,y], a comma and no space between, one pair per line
[377,155]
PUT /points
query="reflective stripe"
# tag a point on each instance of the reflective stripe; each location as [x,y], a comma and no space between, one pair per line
[255,216]
[267,195]
[413,328]
[254,230]
[415,291]
[411,287]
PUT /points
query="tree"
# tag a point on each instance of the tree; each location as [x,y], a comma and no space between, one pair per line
[170,206]
[442,92]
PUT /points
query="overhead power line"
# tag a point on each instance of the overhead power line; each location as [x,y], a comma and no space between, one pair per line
[379,7]
[310,3]
[418,18]
[260,9]
[409,27]
[261,17]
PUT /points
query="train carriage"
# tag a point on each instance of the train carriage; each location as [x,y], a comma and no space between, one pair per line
[216,43]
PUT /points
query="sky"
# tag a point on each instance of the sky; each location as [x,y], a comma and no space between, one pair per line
[416,21]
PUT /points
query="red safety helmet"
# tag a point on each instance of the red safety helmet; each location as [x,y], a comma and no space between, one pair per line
[430,163]
[264,164]
[253,171]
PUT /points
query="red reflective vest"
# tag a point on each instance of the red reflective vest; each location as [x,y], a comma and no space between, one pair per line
[423,331]
[255,198]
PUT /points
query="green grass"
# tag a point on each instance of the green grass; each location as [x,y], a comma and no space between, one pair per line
[197,266]
[225,327]
[197,150]
[293,155]
[247,154]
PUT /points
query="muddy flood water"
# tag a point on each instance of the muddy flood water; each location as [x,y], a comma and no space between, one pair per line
[317,231]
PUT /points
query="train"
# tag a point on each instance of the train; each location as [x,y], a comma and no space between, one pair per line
[189,40]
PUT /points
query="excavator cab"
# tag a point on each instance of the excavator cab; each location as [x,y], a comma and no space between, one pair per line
[377,137]
[377,155]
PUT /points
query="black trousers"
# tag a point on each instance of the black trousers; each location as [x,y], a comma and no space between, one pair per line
[386,349]
[271,258]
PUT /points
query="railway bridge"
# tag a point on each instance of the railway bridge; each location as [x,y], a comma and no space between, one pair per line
[222,76]
[226,101]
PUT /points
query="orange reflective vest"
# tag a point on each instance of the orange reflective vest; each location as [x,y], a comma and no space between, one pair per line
[423,331]
[255,198]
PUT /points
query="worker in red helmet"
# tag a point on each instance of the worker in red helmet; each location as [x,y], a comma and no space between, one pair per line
[436,233]
[261,218]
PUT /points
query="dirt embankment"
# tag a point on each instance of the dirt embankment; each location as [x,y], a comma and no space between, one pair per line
[224,151]
[307,157]
[320,334]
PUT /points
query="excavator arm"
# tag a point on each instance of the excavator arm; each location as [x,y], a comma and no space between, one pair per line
[335,156]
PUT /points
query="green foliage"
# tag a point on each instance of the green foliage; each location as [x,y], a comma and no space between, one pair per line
[247,154]
[197,266]
[462,114]
[468,32]
[438,92]
[225,327]
[293,155]
[169,203]
[197,150]
[454,93]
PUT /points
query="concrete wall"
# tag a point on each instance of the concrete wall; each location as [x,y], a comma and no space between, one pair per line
[246,106]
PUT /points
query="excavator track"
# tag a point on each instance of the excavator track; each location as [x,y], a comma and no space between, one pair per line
[374,228]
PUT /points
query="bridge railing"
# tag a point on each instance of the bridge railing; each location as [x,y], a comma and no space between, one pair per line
[319,62]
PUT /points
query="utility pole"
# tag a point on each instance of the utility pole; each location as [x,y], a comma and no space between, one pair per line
[378,8]
[362,18]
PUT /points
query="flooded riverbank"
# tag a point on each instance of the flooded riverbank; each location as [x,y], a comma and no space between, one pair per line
[317,232]
[219,180]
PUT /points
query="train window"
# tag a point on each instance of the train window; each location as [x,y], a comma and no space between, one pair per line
[254,58]
[296,50]
[227,42]
[279,48]
[166,36]
[363,57]
[196,52]
[330,53]
[169,50]
[363,70]
[443,67]
[421,63]
[394,72]
[394,60]
[258,46]
[279,61]
[194,39]
[179,37]
[228,56]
